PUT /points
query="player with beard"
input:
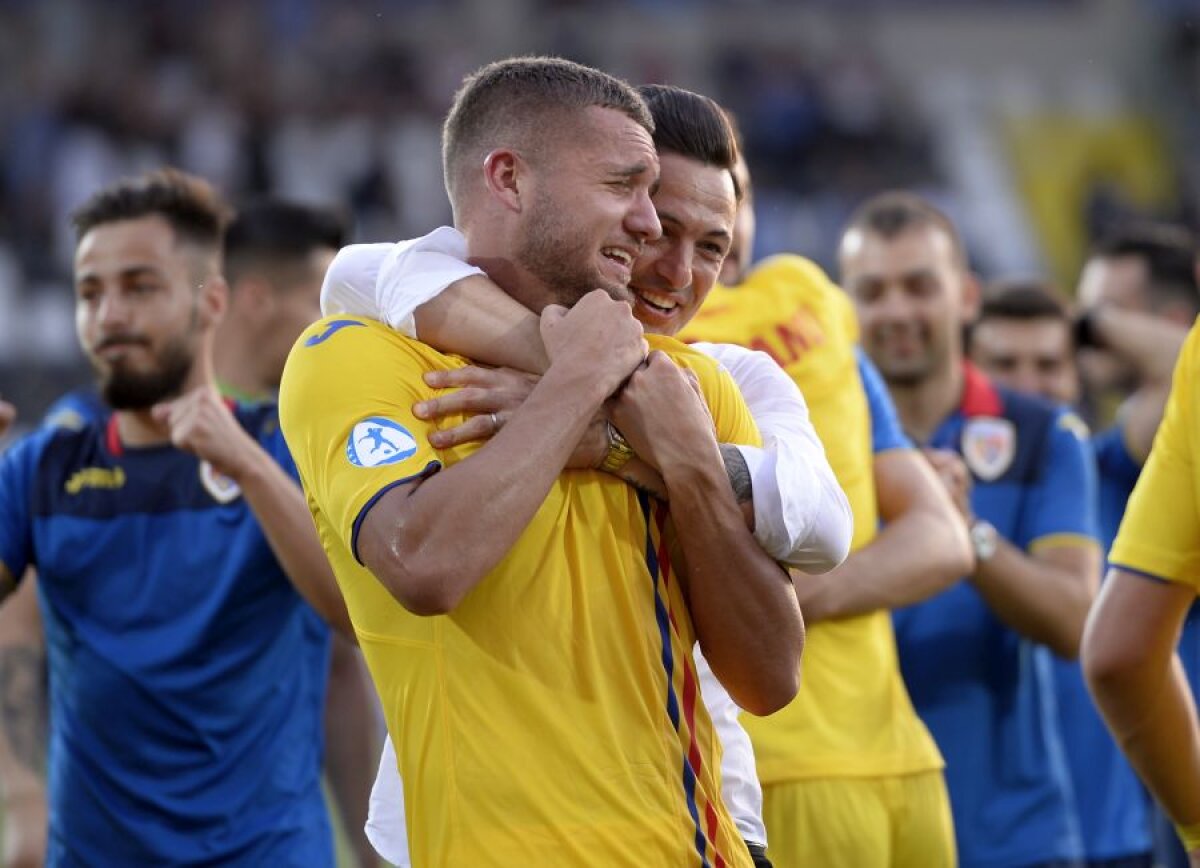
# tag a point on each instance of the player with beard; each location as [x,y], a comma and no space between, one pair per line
[800,515]
[529,629]
[186,674]
[275,254]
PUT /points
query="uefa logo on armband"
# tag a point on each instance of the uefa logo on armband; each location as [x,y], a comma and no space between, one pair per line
[376,441]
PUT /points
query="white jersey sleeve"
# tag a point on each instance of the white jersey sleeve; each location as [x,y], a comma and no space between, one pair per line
[386,827]
[801,515]
[388,282]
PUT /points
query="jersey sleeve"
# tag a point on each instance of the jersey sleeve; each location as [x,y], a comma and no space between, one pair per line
[346,407]
[1061,505]
[886,432]
[1160,532]
[17,467]
[1113,458]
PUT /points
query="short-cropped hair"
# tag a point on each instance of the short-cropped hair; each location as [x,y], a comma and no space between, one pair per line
[521,101]
[1022,300]
[897,211]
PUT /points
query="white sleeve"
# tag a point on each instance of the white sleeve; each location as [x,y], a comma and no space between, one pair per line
[801,515]
[740,789]
[388,282]
[386,827]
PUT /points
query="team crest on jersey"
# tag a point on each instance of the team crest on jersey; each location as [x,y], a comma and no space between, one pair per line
[221,487]
[989,445]
[376,441]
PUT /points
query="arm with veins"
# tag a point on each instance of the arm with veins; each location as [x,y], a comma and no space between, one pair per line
[425,289]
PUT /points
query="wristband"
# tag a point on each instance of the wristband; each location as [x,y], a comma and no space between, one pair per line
[1190,836]
[619,450]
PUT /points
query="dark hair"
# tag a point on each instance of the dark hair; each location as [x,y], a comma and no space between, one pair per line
[1169,253]
[518,102]
[1022,300]
[273,233]
[892,213]
[194,210]
[690,125]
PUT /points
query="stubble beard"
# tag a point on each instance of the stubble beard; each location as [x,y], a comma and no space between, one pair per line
[551,251]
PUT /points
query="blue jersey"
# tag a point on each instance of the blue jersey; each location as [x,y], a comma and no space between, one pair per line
[985,692]
[186,676]
[76,409]
[886,431]
[1113,809]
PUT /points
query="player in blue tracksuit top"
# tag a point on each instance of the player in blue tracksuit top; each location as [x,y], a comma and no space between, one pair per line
[977,658]
[186,675]
[1023,338]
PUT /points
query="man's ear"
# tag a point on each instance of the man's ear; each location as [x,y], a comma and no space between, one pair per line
[213,301]
[505,174]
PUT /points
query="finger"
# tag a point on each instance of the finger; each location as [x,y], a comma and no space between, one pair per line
[474,429]
[468,376]
[553,313]
[469,400]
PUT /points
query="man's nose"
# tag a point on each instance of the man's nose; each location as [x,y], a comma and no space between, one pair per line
[642,220]
[675,267]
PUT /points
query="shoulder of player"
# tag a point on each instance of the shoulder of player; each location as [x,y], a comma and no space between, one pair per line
[792,272]
[52,445]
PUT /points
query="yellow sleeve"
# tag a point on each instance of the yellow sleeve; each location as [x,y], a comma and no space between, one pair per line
[730,414]
[345,406]
[1160,532]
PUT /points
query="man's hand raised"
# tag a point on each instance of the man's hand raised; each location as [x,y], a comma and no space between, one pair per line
[201,423]
[599,335]
[661,414]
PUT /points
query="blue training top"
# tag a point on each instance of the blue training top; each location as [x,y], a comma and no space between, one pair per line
[985,692]
[1113,807]
[186,676]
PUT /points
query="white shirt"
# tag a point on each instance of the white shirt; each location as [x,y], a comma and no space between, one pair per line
[801,515]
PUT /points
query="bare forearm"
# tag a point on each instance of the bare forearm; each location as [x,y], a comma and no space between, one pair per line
[1042,601]
[475,318]
[282,513]
[487,499]
[23,703]
[1147,342]
[890,572]
[352,739]
[743,607]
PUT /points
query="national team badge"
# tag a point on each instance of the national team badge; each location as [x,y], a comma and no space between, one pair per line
[989,445]
[221,487]
[377,441]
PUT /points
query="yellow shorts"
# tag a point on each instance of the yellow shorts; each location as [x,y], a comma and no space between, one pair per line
[890,822]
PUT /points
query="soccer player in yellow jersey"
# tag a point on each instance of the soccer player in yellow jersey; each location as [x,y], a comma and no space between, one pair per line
[1129,654]
[529,629]
[850,775]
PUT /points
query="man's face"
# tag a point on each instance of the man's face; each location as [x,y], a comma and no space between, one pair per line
[589,210]
[1119,282]
[696,205]
[136,310]
[910,294]
[1035,356]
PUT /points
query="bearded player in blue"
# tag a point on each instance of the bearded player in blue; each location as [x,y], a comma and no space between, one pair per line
[186,675]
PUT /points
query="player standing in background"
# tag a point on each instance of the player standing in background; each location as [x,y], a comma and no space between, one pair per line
[976,657]
[458,565]
[800,515]
[850,775]
[1023,339]
[186,675]
[276,254]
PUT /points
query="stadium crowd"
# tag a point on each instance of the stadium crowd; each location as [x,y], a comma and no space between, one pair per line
[564,468]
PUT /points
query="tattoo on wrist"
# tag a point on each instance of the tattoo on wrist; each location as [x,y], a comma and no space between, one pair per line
[23,705]
[738,473]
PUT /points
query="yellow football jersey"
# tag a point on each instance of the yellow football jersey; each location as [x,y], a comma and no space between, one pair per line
[553,716]
[852,716]
[1160,531]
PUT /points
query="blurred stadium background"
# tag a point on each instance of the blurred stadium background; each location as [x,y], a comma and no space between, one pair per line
[1034,122]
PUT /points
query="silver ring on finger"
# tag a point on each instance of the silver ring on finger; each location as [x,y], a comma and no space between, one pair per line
[495,422]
